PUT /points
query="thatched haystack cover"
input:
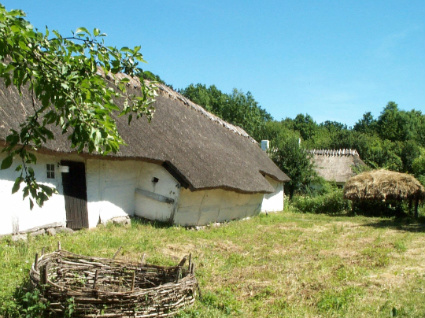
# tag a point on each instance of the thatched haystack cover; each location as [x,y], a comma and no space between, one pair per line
[336,165]
[100,287]
[383,185]
[198,148]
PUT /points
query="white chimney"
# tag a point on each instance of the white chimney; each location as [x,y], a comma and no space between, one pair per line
[265,144]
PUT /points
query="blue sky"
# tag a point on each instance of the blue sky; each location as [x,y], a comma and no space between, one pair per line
[334,60]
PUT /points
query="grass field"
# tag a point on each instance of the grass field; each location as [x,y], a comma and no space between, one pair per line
[281,265]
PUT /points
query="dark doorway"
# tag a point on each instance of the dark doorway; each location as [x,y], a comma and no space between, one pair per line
[75,192]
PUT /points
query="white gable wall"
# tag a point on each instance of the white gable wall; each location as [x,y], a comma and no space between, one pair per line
[273,202]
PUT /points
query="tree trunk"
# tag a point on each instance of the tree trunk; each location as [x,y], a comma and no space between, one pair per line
[416,208]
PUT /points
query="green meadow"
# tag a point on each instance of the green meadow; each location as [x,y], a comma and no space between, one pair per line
[278,265]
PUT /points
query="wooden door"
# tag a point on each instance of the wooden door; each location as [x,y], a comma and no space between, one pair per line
[75,193]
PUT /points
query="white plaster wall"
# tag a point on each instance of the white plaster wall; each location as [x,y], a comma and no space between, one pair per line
[110,189]
[166,186]
[209,206]
[15,213]
[273,202]
[111,192]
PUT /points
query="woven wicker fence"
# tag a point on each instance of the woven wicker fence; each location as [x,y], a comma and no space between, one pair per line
[101,287]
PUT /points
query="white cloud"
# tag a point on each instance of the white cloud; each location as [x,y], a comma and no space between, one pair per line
[387,48]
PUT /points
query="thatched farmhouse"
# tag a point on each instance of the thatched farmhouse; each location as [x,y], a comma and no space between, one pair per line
[336,165]
[186,167]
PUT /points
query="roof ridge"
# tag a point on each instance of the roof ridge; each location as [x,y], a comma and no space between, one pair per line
[334,152]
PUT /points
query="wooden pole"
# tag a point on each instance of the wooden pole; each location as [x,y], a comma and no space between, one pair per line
[182,261]
[95,279]
[416,208]
[133,281]
[36,261]
[179,270]
[44,276]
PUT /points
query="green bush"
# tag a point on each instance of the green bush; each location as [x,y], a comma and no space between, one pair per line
[24,303]
[331,202]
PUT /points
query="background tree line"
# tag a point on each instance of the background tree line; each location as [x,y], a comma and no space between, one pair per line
[395,140]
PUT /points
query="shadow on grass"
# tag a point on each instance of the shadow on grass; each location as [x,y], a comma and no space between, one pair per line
[406,223]
[136,220]
[403,222]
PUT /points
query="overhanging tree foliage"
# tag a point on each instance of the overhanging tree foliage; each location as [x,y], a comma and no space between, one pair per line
[64,78]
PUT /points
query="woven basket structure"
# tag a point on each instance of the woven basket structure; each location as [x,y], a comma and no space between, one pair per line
[101,287]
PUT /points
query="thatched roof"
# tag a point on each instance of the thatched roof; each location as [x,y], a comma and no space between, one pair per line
[199,149]
[383,185]
[336,165]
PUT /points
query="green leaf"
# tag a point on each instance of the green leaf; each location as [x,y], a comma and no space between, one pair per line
[31,158]
[23,45]
[25,192]
[82,30]
[17,184]
[30,171]
[15,29]
[125,49]
[48,190]
[7,162]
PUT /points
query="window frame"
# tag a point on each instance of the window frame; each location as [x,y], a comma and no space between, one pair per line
[50,171]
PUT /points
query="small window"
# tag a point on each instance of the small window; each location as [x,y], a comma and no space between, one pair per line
[50,168]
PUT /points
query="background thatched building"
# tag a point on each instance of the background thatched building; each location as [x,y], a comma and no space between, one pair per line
[186,167]
[336,165]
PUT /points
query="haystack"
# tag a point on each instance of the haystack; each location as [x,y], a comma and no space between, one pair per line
[384,185]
